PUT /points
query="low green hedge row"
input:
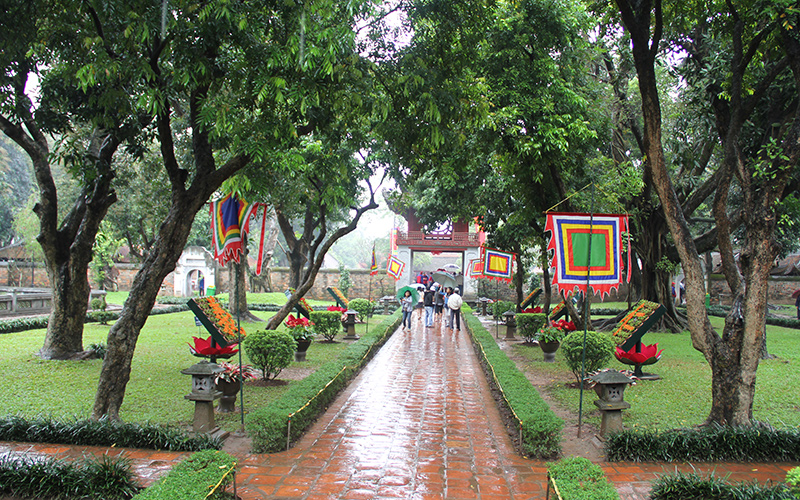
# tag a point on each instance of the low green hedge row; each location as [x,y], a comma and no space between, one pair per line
[755,443]
[579,479]
[693,486]
[102,432]
[540,427]
[722,311]
[22,324]
[48,478]
[269,426]
[13,325]
[205,474]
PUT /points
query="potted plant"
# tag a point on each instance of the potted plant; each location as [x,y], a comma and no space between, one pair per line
[550,338]
[302,332]
[229,382]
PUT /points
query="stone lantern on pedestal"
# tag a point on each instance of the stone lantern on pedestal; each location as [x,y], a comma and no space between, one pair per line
[510,320]
[610,387]
[350,325]
[203,394]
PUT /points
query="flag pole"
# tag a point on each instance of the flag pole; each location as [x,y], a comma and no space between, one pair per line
[586,312]
[239,338]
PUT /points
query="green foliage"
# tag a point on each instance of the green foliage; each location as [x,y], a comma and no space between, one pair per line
[501,306]
[680,486]
[793,481]
[579,479]
[345,281]
[99,349]
[205,474]
[599,349]
[268,426]
[98,304]
[541,428]
[550,334]
[364,308]
[103,251]
[715,443]
[270,350]
[528,324]
[104,477]
[326,323]
[102,432]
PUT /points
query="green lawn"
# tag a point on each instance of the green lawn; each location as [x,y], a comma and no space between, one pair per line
[155,393]
[683,396]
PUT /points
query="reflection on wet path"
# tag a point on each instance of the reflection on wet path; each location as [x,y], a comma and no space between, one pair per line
[418,422]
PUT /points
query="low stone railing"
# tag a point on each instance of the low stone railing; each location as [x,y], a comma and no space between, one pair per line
[16,301]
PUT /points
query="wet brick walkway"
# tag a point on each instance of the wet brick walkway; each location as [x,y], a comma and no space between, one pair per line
[419,422]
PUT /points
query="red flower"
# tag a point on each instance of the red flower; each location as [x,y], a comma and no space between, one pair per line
[535,310]
[649,355]
[293,322]
[336,309]
[565,325]
[202,347]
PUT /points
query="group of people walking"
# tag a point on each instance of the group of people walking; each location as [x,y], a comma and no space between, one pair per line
[437,301]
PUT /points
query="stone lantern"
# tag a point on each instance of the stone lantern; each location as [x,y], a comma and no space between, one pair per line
[484,301]
[350,324]
[203,394]
[510,320]
[610,387]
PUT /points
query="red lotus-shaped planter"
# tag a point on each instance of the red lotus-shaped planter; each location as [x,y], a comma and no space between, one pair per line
[202,348]
[534,310]
[649,354]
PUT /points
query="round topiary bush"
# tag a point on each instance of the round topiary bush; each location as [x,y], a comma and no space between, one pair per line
[326,323]
[363,306]
[599,349]
[270,350]
[528,325]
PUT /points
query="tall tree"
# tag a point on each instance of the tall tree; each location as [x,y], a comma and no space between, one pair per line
[235,80]
[763,46]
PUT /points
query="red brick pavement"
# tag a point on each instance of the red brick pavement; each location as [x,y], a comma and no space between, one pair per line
[419,423]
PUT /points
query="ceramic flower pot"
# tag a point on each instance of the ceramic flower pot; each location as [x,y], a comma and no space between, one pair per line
[227,403]
[549,349]
[302,347]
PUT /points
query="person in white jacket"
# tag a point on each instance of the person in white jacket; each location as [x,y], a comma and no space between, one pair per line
[454,304]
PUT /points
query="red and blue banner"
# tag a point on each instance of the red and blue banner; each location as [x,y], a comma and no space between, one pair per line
[497,264]
[373,268]
[230,218]
[476,268]
[394,267]
[570,234]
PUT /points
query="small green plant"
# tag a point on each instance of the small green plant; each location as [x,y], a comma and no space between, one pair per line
[501,306]
[528,324]
[345,281]
[550,334]
[364,308]
[599,349]
[579,479]
[204,475]
[98,304]
[270,350]
[680,486]
[99,349]
[793,480]
[326,323]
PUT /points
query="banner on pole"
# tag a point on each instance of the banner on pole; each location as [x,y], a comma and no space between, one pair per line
[570,234]
[394,267]
[260,261]
[373,268]
[230,217]
[476,268]
[497,264]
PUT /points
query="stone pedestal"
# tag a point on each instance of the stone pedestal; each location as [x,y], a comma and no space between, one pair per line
[351,325]
[610,387]
[203,394]
[510,319]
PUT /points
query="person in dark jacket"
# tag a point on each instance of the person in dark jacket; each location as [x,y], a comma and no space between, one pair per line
[428,301]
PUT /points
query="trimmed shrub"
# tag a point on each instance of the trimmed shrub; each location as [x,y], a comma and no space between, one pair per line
[104,477]
[364,308]
[579,479]
[540,428]
[681,486]
[270,350]
[501,306]
[599,349]
[103,432]
[793,480]
[270,426]
[528,324]
[205,474]
[754,443]
[327,323]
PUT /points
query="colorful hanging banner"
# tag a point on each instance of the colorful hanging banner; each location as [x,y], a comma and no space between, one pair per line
[395,267]
[569,241]
[497,264]
[230,218]
[260,261]
[373,268]
[476,268]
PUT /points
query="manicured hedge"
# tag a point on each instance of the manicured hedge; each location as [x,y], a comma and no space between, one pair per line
[693,486]
[756,443]
[205,474]
[269,426]
[540,428]
[102,432]
[579,479]
[48,478]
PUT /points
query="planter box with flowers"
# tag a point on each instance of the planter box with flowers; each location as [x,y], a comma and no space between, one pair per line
[220,324]
[531,298]
[559,310]
[628,337]
[339,297]
[302,306]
